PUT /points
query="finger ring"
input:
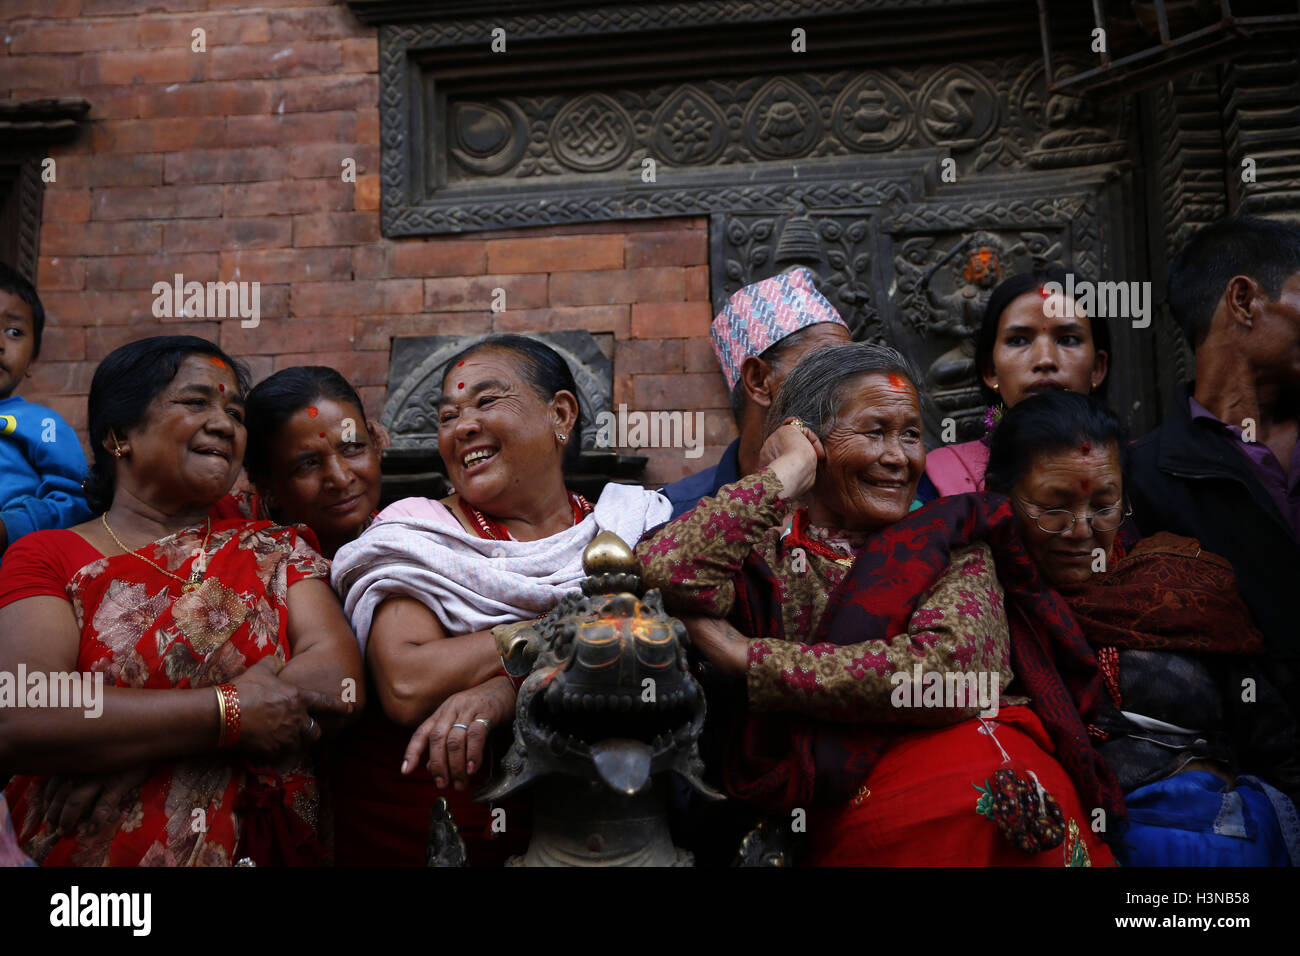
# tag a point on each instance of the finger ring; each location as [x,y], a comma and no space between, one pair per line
[484,721]
[461,726]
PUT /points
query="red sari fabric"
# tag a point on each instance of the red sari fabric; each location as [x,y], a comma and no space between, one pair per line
[920,806]
[139,630]
[381,817]
[782,761]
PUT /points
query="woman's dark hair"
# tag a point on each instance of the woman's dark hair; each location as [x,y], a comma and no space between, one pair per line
[1049,422]
[1006,292]
[545,371]
[277,398]
[128,379]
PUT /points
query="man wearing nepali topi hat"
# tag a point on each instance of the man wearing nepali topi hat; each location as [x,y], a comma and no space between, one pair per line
[761,335]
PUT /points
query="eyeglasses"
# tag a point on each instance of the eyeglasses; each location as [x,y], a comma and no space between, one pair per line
[1060,521]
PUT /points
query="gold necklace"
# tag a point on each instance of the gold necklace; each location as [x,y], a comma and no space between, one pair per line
[196,573]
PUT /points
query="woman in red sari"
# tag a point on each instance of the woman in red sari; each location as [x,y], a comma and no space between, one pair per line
[222,651]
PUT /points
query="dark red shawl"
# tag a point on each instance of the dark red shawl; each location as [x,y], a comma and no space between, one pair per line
[781,761]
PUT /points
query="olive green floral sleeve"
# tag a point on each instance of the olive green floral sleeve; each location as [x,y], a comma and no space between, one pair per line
[960,627]
[693,559]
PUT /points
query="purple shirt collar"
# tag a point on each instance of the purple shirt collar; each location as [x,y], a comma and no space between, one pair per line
[1284,489]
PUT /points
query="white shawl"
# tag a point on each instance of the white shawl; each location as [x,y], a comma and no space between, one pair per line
[471,583]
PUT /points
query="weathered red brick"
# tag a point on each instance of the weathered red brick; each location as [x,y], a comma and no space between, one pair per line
[145,169]
[685,390]
[202,235]
[92,8]
[82,36]
[361,54]
[377,332]
[316,23]
[61,378]
[670,320]
[66,205]
[226,166]
[645,357]
[63,343]
[697,284]
[609,287]
[48,9]
[315,94]
[555,254]
[48,73]
[64,273]
[224,30]
[372,400]
[282,58]
[335,228]
[167,135]
[100,238]
[287,197]
[366,194]
[292,129]
[436,257]
[476,293]
[104,273]
[103,339]
[379,296]
[205,99]
[592,318]
[701,358]
[323,160]
[144,66]
[287,265]
[681,247]
[157,202]
[272,336]
[367,130]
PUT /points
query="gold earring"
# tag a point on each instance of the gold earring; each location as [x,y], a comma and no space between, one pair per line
[562,437]
[995,386]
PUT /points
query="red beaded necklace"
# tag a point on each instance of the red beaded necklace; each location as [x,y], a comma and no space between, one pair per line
[495,531]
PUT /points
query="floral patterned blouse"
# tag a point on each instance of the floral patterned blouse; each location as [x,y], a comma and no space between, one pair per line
[959,627]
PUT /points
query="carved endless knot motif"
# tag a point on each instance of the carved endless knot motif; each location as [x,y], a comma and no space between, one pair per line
[592,133]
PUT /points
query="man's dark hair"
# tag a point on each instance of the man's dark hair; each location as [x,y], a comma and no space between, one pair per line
[277,398]
[15,283]
[1006,292]
[128,379]
[1049,422]
[776,355]
[1267,250]
[545,371]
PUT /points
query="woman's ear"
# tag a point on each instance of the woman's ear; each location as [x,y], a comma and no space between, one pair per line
[565,408]
[378,434]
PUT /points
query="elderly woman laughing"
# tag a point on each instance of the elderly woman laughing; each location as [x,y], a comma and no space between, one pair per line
[845,613]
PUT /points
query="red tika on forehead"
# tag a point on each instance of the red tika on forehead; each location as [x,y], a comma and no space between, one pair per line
[460,385]
[220,387]
[460,363]
[1085,485]
[1085,448]
[322,434]
[896,382]
[215,360]
[312,411]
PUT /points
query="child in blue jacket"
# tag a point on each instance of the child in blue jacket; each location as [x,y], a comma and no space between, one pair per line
[41,461]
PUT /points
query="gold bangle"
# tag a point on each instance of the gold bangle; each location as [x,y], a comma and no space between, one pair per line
[221,718]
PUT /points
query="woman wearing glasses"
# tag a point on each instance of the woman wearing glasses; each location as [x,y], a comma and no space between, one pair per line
[1187,718]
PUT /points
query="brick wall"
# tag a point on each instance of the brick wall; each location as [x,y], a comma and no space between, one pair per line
[227,164]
